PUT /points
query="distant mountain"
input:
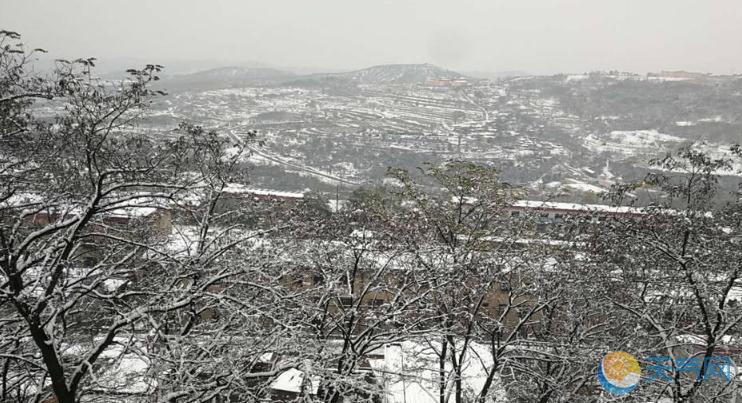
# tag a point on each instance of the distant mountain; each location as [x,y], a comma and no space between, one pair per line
[400,74]
[225,77]
[497,75]
[238,77]
[383,74]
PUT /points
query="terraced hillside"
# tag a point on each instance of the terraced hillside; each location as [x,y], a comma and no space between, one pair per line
[569,135]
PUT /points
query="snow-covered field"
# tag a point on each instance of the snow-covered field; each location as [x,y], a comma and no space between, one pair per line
[631,143]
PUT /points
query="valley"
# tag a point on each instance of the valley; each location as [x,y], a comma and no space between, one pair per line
[565,136]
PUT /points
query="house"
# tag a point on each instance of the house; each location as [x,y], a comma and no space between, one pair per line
[156,219]
[154,214]
[246,192]
[291,384]
[556,211]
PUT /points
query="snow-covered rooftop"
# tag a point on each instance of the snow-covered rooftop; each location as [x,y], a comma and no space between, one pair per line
[244,189]
[543,205]
[408,372]
[293,380]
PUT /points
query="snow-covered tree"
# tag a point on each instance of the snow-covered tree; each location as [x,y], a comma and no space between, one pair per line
[118,276]
[465,239]
[672,277]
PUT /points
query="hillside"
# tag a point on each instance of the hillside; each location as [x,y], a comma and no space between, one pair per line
[399,74]
[387,74]
[225,77]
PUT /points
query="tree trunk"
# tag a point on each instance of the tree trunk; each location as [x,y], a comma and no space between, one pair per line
[442,372]
[56,371]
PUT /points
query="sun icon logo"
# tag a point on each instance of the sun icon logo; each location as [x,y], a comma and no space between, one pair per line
[619,372]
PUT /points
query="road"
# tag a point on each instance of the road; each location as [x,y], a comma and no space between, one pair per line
[485,114]
[236,137]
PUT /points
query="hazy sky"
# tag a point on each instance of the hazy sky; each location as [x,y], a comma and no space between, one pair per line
[538,36]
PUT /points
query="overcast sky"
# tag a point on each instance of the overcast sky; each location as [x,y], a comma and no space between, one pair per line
[538,36]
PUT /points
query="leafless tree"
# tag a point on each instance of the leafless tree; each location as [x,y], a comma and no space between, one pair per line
[113,251]
[674,272]
[481,295]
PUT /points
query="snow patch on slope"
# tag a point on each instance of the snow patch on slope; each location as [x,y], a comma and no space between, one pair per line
[630,143]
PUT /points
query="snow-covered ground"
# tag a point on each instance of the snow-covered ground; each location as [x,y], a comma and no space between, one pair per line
[631,143]
[409,372]
[722,151]
[583,187]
